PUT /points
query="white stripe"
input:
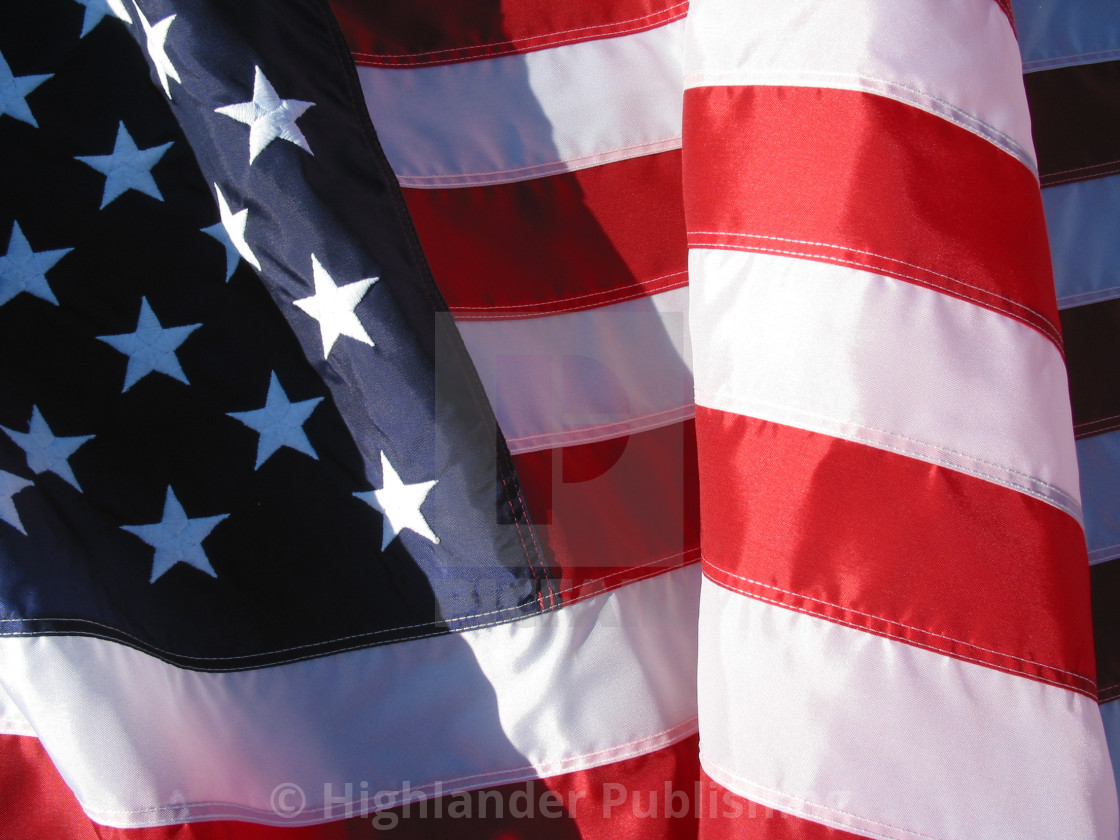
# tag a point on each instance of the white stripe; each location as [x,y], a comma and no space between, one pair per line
[954,58]
[1084,242]
[1058,33]
[145,743]
[524,116]
[12,721]
[891,364]
[891,741]
[584,376]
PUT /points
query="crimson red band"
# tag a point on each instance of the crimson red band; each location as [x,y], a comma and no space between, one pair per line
[862,180]
[728,816]
[895,546]
[615,511]
[410,33]
[495,251]
[656,791]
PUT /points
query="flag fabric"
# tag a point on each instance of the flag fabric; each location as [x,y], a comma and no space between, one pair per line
[734,401]
[1072,66]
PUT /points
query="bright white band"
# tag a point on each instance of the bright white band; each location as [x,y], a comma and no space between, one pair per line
[954,58]
[523,116]
[892,741]
[855,355]
[587,375]
[145,743]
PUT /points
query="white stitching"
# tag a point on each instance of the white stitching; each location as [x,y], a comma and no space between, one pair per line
[726,585]
[1054,335]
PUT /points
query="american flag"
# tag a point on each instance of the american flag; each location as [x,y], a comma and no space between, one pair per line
[717,480]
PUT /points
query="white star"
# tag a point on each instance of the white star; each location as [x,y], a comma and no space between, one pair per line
[280,422]
[127,168]
[10,485]
[24,270]
[333,307]
[268,117]
[399,503]
[176,538]
[156,34]
[234,224]
[151,347]
[45,452]
[97,9]
[14,91]
[219,233]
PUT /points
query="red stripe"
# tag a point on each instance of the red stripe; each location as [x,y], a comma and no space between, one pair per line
[36,804]
[895,546]
[615,511]
[419,32]
[558,244]
[728,816]
[862,180]
[631,798]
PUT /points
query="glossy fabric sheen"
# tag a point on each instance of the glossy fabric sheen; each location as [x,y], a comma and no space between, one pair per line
[584,801]
[895,546]
[518,701]
[952,212]
[525,116]
[437,32]
[585,376]
[883,362]
[496,253]
[798,713]
[926,55]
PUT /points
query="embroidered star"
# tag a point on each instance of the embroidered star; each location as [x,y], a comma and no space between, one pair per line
[45,452]
[24,270]
[234,225]
[127,167]
[14,91]
[268,117]
[156,35]
[219,233]
[97,9]
[399,504]
[177,538]
[280,422]
[333,307]
[10,485]
[151,347]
